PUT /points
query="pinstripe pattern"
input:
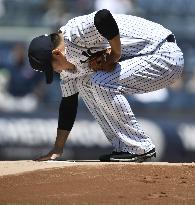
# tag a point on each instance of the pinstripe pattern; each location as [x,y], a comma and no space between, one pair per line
[152,64]
[145,73]
[68,86]
[108,127]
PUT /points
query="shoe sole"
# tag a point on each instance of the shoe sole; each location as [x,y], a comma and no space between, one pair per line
[135,159]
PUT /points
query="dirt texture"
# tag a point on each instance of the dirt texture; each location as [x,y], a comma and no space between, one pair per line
[28,182]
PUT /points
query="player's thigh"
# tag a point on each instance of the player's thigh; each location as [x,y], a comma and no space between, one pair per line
[122,77]
[139,75]
[84,84]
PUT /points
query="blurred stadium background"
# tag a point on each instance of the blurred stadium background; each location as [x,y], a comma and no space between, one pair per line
[29,108]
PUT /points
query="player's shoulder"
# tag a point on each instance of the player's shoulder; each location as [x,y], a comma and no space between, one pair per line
[82,18]
[124,17]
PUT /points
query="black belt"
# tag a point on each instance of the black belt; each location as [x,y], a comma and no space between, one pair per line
[170,38]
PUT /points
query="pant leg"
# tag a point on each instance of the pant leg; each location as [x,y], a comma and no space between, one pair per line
[145,73]
[118,114]
[84,87]
[137,75]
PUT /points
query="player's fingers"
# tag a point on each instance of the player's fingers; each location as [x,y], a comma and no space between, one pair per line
[93,65]
[48,157]
[99,60]
[43,158]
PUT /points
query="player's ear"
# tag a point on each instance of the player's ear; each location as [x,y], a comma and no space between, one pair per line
[56,53]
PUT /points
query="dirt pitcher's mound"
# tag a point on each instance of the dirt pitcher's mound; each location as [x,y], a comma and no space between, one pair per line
[28,182]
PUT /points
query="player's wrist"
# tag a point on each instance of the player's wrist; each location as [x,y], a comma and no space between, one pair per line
[61,138]
[115,56]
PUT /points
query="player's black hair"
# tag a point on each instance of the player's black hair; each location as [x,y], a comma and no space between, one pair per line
[55,39]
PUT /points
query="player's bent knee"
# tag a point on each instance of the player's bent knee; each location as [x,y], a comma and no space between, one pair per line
[99,79]
[96,79]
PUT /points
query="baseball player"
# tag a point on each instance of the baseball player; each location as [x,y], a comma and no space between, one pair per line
[103,57]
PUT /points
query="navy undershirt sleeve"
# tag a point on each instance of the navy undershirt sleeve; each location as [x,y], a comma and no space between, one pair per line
[67,112]
[106,24]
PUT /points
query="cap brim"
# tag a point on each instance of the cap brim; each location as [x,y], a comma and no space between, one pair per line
[49,75]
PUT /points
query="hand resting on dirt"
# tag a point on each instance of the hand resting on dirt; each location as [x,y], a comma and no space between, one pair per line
[57,151]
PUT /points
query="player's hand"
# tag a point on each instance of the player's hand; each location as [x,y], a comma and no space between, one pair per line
[103,61]
[57,151]
[54,154]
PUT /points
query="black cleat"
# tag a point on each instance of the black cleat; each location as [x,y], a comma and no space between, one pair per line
[127,157]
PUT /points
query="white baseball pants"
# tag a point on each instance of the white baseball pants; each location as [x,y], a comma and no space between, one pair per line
[103,93]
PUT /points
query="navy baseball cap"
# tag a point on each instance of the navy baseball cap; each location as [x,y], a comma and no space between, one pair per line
[40,54]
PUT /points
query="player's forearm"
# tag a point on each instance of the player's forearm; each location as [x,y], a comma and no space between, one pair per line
[115,44]
[62,136]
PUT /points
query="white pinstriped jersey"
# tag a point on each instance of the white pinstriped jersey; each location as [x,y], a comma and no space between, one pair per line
[138,37]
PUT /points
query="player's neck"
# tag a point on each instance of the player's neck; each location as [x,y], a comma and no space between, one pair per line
[61,46]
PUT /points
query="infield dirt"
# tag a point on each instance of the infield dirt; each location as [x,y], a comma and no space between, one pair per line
[90,183]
